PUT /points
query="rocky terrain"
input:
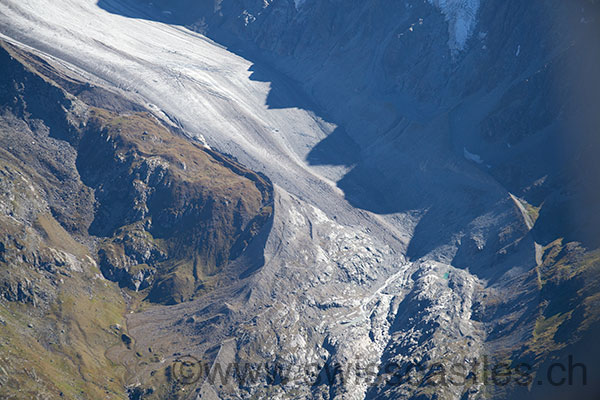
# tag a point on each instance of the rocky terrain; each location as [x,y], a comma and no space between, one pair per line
[434,201]
[92,196]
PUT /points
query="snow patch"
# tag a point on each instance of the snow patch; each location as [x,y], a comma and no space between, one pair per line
[470,156]
[461,16]
[299,3]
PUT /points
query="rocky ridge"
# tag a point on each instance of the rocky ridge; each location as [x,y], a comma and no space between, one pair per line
[92,196]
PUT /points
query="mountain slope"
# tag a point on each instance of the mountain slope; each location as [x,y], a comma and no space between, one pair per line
[434,168]
[83,188]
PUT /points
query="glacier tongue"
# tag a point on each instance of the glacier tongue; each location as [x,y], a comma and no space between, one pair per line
[335,277]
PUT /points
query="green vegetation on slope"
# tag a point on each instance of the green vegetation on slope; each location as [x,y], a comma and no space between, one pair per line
[89,192]
[569,283]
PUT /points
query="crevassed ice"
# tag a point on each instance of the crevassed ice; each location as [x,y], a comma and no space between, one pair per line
[462,19]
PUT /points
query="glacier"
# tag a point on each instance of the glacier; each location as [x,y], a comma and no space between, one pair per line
[437,272]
